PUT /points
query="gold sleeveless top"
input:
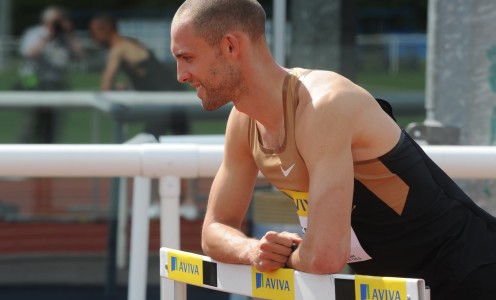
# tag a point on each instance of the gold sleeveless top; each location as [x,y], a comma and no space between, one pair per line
[284,166]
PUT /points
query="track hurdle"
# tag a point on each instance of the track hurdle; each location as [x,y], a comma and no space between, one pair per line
[174,161]
[283,284]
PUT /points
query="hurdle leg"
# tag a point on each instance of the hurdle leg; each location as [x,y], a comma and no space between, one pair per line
[138,264]
[122,225]
[170,190]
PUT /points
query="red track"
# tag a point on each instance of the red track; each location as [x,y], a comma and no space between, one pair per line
[53,199]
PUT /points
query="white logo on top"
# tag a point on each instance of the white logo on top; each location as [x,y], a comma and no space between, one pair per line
[288,170]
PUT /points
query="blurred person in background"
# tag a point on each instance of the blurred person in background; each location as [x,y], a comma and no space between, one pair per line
[47,49]
[144,71]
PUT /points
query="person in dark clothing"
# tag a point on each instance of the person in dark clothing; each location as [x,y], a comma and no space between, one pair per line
[144,71]
[47,50]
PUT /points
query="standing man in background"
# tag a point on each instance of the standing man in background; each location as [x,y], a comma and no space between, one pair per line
[142,68]
[47,50]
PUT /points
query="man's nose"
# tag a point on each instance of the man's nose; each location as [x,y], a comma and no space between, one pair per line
[182,74]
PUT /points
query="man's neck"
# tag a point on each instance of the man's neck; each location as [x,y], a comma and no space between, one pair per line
[263,98]
[115,39]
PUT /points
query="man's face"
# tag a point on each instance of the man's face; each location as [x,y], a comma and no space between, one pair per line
[216,80]
[99,34]
[51,18]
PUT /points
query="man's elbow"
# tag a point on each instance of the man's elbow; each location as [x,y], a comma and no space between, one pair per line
[327,261]
[326,266]
[208,241]
[204,241]
[205,246]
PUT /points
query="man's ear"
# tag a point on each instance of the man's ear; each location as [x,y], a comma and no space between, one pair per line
[231,45]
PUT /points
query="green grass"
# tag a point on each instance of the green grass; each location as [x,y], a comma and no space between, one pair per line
[11,123]
[404,120]
[85,81]
[79,126]
[87,126]
[405,81]
[8,78]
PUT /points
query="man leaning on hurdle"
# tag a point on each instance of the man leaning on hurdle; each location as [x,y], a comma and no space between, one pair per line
[374,199]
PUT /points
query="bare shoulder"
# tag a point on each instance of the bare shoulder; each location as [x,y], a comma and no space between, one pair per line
[323,88]
[237,124]
[117,50]
[237,134]
[329,100]
[130,44]
[132,50]
[329,97]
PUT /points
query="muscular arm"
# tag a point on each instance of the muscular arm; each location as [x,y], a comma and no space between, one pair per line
[222,238]
[230,195]
[327,152]
[113,62]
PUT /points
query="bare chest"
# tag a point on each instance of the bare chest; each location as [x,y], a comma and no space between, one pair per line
[271,139]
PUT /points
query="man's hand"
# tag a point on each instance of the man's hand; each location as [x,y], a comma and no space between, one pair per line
[273,250]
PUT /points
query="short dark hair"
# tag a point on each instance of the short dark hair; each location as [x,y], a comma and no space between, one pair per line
[106,19]
[212,19]
[52,11]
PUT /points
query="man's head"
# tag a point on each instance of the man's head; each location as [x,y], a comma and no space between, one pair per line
[52,18]
[213,19]
[209,40]
[103,28]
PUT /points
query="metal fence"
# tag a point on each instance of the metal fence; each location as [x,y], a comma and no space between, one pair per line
[381,52]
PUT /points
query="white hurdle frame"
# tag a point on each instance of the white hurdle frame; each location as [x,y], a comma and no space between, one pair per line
[171,162]
[238,279]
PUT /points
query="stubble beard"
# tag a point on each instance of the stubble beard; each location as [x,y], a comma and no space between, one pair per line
[228,86]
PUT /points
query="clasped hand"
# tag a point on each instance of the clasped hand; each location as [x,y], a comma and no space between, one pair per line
[273,250]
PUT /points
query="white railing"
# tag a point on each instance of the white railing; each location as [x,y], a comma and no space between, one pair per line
[99,100]
[393,43]
[170,163]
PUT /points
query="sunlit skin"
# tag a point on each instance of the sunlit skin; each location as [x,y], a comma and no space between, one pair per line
[100,34]
[121,50]
[216,80]
[242,70]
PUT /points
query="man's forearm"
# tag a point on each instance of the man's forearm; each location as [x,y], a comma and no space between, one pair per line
[306,260]
[106,83]
[227,244]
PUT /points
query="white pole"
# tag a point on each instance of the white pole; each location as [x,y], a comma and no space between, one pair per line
[186,161]
[279,21]
[430,84]
[170,190]
[122,221]
[139,239]
[394,56]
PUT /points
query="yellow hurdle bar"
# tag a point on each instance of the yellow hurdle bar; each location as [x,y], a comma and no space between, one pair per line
[284,284]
